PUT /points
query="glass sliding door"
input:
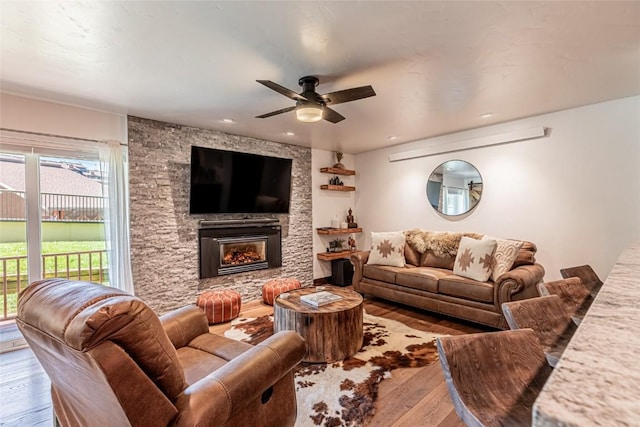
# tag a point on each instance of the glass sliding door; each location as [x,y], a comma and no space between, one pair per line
[14,263]
[72,222]
[51,222]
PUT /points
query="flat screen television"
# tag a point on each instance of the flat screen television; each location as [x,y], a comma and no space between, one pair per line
[231,182]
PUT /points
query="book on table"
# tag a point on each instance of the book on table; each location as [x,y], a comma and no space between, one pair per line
[318,299]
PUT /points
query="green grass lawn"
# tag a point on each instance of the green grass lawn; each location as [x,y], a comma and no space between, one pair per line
[20,249]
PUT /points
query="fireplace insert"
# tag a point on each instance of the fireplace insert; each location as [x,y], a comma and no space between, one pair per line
[236,246]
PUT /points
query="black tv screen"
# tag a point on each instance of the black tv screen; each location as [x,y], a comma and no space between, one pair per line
[231,182]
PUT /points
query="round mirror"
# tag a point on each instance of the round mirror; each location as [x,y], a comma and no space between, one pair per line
[454,187]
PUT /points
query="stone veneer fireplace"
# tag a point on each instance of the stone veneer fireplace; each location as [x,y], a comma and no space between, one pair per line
[165,238]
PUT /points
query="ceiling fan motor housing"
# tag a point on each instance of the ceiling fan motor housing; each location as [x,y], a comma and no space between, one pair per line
[308,84]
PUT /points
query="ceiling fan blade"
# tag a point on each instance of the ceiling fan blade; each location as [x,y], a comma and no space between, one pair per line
[273,113]
[282,90]
[332,115]
[348,95]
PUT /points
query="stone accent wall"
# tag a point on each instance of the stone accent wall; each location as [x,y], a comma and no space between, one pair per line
[164,237]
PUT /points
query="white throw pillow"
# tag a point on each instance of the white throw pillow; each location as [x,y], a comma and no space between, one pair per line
[474,258]
[387,249]
[504,256]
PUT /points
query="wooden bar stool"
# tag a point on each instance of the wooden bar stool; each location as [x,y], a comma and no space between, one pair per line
[494,377]
[573,293]
[549,319]
[589,277]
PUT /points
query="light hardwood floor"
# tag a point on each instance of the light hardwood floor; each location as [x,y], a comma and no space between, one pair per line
[412,397]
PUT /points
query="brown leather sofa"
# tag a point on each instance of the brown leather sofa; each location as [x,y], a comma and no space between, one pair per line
[427,282]
[113,362]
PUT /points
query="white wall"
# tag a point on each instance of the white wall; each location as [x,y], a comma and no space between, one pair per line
[576,193]
[329,205]
[33,115]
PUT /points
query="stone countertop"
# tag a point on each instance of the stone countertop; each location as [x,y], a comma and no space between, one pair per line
[597,381]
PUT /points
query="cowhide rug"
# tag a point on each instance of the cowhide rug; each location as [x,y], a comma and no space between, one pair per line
[344,393]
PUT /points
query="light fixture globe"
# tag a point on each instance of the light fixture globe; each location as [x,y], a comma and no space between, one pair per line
[309,113]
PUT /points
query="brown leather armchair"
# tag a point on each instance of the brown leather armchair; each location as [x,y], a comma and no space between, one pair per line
[113,362]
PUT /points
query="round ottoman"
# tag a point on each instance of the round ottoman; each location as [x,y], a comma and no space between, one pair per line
[275,287]
[220,306]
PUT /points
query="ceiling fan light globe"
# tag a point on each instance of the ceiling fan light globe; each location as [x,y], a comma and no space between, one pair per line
[309,114]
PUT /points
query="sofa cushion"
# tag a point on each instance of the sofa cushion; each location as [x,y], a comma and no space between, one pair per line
[474,258]
[430,259]
[526,255]
[462,287]
[383,273]
[503,257]
[424,279]
[387,249]
[411,256]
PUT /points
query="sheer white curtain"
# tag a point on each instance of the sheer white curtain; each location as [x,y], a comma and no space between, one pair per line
[114,162]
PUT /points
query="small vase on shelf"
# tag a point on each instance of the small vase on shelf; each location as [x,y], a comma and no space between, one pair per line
[339,165]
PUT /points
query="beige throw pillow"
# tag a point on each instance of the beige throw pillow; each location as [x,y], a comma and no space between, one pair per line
[503,258]
[475,258]
[387,249]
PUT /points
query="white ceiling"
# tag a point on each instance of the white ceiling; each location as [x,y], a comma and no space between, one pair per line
[436,66]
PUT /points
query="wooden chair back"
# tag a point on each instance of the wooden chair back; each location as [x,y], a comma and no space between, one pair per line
[573,293]
[494,377]
[548,317]
[589,277]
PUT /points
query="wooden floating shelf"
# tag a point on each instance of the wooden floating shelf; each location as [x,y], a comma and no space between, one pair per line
[338,187]
[329,256]
[338,171]
[338,230]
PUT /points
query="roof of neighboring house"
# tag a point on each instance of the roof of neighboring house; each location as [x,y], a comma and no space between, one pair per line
[52,180]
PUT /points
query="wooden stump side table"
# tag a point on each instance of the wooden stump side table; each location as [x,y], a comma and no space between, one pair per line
[332,332]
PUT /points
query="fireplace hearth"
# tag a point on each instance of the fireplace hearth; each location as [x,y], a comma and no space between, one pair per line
[236,246]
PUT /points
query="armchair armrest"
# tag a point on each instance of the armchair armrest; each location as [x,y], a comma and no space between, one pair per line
[225,392]
[519,283]
[184,324]
[358,259]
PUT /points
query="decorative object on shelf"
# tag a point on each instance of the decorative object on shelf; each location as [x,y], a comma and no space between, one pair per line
[335,181]
[339,157]
[352,244]
[351,223]
[350,216]
[344,225]
[336,245]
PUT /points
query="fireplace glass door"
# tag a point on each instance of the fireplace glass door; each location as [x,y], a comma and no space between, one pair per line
[241,251]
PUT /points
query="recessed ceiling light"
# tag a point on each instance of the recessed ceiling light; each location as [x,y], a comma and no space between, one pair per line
[486,115]
[391,138]
[228,121]
[289,133]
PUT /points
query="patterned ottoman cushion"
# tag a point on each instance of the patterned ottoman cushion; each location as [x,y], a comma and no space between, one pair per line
[275,287]
[220,306]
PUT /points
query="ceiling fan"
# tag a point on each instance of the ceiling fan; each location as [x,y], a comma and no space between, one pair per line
[310,105]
